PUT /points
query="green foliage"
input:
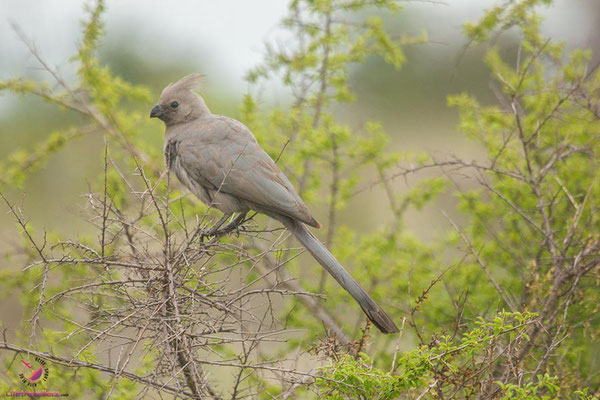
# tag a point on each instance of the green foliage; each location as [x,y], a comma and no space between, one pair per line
[20,163]
[448,365]
[100,96]
[328,159]
[353,377]
[503,17]
[530,391]
[529,223]
[503,306]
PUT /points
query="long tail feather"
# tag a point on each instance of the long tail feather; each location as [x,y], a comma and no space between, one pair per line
[375,313]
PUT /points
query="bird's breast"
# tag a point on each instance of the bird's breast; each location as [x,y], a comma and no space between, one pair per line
[171,153]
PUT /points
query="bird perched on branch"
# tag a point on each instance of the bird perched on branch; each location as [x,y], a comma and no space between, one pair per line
[219,160]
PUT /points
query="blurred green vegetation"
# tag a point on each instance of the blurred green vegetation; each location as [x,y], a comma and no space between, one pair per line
[471,288]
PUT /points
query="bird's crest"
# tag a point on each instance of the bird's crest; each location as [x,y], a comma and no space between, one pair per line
[190,82]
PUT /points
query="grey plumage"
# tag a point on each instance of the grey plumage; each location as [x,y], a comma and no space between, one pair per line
[375,313]
[221,162]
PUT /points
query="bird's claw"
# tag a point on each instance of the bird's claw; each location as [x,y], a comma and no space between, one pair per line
[216,229]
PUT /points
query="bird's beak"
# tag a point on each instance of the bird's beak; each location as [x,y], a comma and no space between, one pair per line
[156,112]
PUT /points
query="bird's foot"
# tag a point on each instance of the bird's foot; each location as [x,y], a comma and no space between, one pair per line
[218,229]
[212,231]
[234,224]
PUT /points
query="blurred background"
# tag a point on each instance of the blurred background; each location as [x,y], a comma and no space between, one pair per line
[153,43]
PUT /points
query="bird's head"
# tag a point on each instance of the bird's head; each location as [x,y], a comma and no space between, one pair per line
[179,103]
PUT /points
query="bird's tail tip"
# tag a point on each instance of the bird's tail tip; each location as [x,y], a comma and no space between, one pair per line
[314,223]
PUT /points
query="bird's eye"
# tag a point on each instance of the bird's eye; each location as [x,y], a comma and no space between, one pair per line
[174,104]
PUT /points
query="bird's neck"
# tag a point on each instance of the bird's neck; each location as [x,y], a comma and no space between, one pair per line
[200,109]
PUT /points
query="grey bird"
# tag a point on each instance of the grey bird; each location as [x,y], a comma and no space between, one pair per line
[219,160]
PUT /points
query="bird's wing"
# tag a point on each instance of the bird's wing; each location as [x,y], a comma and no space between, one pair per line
[224,153]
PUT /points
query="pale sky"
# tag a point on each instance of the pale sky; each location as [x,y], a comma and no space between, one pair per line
[231,31]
